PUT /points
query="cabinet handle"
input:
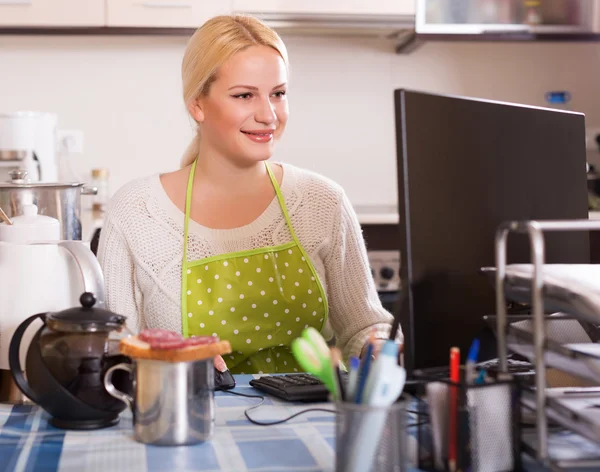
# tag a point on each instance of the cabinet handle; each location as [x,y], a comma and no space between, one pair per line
[15,2]
[164,4]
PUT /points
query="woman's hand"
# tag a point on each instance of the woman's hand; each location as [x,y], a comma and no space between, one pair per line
[377,344]
[220,364]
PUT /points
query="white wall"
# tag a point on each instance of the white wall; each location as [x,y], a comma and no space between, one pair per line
[124,93]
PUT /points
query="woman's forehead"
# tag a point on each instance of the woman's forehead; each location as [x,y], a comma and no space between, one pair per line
[256,66]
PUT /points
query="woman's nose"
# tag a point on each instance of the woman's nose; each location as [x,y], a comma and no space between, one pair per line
[266,112]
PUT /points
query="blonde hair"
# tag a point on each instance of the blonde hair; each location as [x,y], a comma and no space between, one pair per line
[210,47]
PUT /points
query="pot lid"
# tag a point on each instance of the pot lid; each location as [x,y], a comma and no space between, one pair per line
[85,318]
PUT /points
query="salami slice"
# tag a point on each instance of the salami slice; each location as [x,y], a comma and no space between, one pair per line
[167,344]
[199,340]
[155,334]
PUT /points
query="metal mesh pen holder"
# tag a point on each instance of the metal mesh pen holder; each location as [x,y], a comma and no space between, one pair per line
[487,428]
[370,438]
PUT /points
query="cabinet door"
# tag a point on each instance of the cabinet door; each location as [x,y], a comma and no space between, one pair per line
[164,13]
[343,7]
[58,13]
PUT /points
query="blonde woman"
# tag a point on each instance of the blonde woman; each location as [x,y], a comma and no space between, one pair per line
[231,245]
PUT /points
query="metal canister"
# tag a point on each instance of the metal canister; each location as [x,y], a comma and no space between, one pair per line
[58,200]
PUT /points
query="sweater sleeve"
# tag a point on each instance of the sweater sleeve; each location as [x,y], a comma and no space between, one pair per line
[116,260]
[354,304]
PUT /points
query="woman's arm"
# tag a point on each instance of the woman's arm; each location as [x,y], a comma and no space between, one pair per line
[116,261]
[354,306]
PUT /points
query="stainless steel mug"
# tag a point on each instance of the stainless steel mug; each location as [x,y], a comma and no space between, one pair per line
[173,402]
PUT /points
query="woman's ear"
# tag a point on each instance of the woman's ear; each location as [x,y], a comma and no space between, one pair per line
[195,109]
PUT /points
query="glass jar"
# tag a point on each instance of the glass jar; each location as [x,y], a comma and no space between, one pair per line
[100,181]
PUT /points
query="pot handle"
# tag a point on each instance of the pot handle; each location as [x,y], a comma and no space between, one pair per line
[89,268]
[112,390]
[14,361]
[89,190]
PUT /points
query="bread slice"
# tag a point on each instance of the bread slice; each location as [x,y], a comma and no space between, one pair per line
[135,348]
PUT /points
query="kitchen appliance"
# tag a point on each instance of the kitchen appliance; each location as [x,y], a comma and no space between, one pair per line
[173,402]
[28,143]
[385,270]
[38,274]
[508,19]
[60,200]
[66,363]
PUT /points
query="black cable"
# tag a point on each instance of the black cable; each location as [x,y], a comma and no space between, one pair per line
[271,423]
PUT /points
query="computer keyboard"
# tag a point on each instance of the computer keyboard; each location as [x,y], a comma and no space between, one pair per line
[293,387]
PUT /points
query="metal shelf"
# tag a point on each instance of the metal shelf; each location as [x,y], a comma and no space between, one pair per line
[535,231]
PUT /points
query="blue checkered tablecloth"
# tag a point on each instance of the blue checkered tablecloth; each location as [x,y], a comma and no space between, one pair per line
[306,443]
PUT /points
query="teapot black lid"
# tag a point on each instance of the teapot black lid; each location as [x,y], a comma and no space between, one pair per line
[85,318]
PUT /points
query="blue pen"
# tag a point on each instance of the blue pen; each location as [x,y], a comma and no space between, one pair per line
[471,360]
[352,378]
[364,373]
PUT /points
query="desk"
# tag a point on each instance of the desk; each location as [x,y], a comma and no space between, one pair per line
[306,443]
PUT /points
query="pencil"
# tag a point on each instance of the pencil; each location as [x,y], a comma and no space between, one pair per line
[453,420]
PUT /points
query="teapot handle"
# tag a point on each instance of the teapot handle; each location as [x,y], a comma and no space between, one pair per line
[14,361]
[112,390]
[89,268]
[88,265]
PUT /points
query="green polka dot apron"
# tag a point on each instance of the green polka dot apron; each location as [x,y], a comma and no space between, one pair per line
[259,300]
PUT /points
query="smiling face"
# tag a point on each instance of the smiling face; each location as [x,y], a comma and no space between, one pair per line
[246,108]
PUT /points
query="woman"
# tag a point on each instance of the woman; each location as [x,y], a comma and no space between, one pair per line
[229,245]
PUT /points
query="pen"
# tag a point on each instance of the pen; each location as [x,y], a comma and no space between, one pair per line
[453,420]
[352,378]
[364,373]
[470,363]
[336,357]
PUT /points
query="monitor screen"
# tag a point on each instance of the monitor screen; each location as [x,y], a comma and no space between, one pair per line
[465,166]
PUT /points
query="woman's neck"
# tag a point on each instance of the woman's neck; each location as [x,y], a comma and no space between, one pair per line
[223,174]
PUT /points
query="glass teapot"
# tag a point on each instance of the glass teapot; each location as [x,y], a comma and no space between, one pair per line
[66,362]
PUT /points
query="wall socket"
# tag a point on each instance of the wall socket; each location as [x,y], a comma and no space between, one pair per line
[70,140]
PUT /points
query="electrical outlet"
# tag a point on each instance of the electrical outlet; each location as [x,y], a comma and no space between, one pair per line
[590,138]
[385,269]
[71,140]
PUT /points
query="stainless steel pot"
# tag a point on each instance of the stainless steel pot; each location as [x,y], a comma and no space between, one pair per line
[56,199]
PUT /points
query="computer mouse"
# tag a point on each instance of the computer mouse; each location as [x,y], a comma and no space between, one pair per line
[224,380]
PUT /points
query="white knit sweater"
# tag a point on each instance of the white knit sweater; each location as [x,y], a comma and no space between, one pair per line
[141,247]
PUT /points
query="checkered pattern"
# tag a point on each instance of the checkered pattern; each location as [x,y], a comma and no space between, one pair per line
[306,443]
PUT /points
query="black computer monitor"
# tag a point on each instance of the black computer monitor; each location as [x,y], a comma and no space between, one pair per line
[464,166]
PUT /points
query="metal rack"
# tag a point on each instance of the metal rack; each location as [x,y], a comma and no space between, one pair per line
[535,231]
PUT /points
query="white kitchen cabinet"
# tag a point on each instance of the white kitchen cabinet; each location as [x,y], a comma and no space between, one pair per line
[324,7]
[49,13]
[163,13]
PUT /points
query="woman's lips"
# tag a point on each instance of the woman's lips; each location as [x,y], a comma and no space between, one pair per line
[259,136]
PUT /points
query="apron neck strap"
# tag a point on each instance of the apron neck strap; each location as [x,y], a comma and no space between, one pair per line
[188,204]
[282,203]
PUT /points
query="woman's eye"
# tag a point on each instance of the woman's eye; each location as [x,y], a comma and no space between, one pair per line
[243,96]
[280,94]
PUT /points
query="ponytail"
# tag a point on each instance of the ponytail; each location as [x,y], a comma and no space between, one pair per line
[191,153]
